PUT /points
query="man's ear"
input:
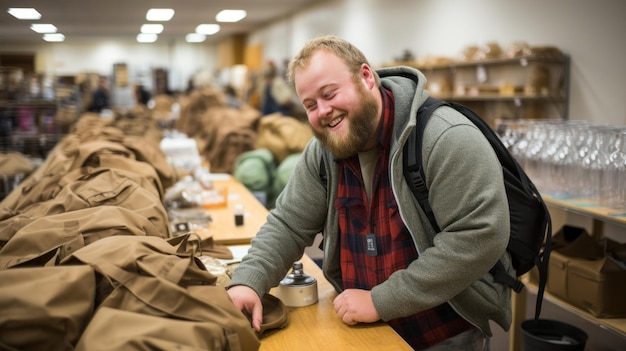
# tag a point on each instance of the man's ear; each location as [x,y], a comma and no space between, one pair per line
[367,75]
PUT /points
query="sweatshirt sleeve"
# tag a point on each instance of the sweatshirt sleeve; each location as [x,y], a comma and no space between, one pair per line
[291,226]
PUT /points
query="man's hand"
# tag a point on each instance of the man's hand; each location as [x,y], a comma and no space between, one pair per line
[249,302]
[355,306]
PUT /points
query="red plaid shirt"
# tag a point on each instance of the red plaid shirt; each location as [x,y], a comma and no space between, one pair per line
[391,246]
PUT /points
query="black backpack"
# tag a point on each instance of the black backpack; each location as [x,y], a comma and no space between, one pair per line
[531,226]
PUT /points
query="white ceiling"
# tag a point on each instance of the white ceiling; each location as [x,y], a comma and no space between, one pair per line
[122,19]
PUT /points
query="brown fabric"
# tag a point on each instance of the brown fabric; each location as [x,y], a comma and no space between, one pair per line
[188,243]
[283,136]
[14,163]
[91,126]
[49,239]
[145,255]
[92,187]
[149,275]
[226,134]
[143,332]
[275,315]
[45,308]
[69,155]
[221,132]
[14,168]
[195,106]
[143,169]
[38,186]
[96,204]
[88,152]
[151,153]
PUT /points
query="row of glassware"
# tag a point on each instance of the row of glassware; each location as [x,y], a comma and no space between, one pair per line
[570,158]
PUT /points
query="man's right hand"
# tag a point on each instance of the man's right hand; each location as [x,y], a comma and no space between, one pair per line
[249,302]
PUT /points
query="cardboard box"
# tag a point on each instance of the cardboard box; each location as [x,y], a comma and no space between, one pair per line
[598,287]
[568,243]
[588,273]
[557,275]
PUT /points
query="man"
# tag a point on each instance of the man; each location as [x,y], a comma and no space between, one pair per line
[380,252]
[276,93]
[100,96]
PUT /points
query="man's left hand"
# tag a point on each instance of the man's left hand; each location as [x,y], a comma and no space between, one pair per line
[355,306]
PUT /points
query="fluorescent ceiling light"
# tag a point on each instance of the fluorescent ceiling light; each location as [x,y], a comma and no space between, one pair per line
[24,13]
[43,28]
[195,38]
[152,28]
[208,29]
[160,14]
[54,37]
[146,38]
[230,15]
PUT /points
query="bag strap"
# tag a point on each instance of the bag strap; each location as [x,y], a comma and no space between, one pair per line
[543,261]
[413,170]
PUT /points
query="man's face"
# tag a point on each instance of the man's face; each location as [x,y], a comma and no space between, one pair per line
[342,110]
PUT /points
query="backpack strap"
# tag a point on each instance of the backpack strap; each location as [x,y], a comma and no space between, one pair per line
[413,170]
[414,173]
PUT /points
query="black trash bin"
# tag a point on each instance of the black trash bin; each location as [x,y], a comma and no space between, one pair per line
[551,335]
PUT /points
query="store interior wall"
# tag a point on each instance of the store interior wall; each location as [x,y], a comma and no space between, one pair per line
[181,59]
[591,32]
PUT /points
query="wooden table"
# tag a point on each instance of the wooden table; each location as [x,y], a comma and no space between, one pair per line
[317,327]
[222,226]
[314,327]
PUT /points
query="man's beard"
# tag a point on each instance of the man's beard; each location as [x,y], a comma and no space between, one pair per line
[363,124]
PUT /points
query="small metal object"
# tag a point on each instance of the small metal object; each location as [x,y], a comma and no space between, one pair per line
[297,289]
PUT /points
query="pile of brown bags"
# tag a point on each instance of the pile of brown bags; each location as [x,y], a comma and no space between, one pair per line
[87,259]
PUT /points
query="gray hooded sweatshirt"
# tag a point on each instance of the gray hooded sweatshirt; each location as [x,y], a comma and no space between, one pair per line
[467,195]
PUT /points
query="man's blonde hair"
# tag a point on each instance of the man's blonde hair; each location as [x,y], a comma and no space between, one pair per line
[348,53]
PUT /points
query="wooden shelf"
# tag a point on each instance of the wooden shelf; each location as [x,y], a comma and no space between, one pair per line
[587,207]
[528,87]
[497,97]
[522,61]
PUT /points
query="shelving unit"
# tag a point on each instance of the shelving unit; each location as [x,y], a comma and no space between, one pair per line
[599,215]
[535,87]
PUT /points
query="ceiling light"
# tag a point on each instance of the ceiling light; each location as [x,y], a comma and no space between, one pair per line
[208,29]
[24,13]
[230,15]
[160,14]
[152,28]
[54,37]
[146,38]
[195,38]
[43,28]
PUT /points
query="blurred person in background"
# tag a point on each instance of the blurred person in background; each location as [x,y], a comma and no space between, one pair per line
[277,95]
[100,98]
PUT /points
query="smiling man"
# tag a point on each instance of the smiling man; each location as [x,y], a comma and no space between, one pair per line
[380,253]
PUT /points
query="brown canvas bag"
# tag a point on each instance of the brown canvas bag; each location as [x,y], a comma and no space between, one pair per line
[149,275]
[15,163]
[142,332]
[45,308]
[44,184]
[150,152]
[143,169]
[64,233]
[93,187]
[39,184]
[283,136]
